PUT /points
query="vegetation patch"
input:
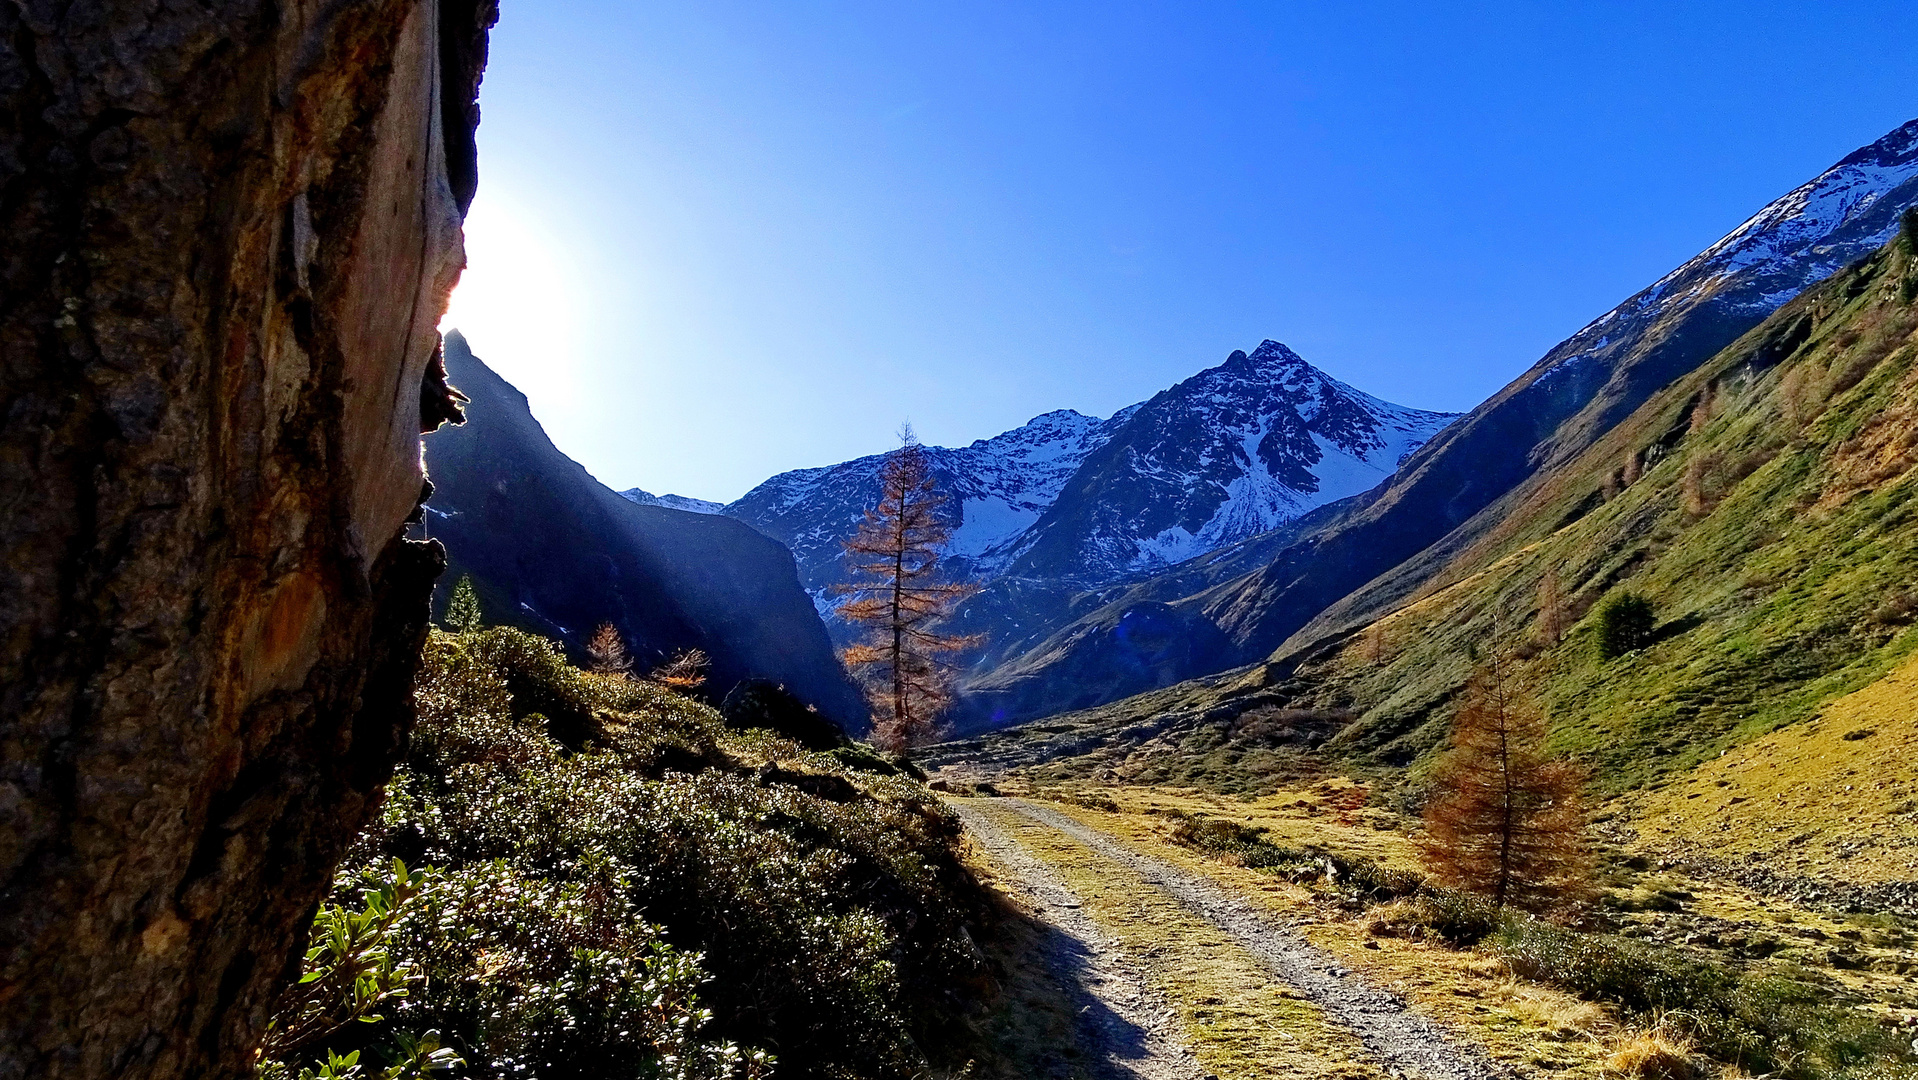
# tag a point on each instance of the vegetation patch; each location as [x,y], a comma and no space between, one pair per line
[623,887]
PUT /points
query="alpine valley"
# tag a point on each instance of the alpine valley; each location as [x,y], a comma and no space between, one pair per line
[1262,506]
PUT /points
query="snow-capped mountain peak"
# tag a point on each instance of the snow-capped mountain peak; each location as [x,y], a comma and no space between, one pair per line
[1233,451]
[995,489]
[1794,242]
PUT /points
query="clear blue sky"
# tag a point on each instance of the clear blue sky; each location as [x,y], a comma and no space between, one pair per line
[717,240]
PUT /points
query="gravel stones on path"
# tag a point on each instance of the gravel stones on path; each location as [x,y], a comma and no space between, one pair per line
[1127,1031]
[1403,1042]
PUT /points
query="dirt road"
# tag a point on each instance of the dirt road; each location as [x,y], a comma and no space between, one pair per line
[1129,1032]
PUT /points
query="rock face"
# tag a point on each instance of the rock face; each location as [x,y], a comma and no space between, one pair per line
[995,488]
[230,229]
[1232,452]
[557,552]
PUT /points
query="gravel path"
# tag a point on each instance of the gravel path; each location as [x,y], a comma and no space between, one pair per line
[1126,1030]
[1404,1042]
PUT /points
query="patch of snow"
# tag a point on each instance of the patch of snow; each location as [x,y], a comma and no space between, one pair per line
[672,502]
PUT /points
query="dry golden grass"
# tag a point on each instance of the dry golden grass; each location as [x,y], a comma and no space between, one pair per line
[1803,797]
[1660,1052]
[1556,1012]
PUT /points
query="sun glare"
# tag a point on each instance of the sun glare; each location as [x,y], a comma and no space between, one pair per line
[518,299]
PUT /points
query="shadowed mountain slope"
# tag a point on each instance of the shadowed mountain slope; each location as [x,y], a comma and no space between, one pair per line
[557,552]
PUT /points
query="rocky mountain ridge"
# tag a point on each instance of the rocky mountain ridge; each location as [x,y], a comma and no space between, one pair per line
[1229,453]
[1232,452]
[672,502]
[554,551]
[996,489]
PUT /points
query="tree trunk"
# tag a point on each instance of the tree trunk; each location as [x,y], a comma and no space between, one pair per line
[230,228]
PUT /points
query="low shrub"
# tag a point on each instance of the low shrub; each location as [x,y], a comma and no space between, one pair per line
[1768,1024]
[1356,878]
[1460,918]
[624,888]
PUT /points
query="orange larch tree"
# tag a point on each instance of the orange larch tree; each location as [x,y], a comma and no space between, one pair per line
[1505,820]
[898,596]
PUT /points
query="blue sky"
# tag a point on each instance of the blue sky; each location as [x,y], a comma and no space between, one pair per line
[717,240]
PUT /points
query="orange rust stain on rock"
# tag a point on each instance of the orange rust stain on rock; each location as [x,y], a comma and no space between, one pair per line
[282,641]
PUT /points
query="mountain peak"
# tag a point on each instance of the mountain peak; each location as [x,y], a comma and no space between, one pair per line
[1898,146]
[1270,351]
[1270,360]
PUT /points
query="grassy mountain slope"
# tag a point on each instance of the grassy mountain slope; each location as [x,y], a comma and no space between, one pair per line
[1763,503]
[1841,791]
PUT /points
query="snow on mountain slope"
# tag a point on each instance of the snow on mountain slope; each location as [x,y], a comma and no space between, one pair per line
[1797,240]
[996,488]
[673,502]
[1232,452]
[1229,453]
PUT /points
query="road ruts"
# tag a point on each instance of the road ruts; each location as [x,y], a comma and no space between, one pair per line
[1126,1031]
[1401,1040]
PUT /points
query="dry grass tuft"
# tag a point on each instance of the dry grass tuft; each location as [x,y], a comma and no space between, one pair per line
[1560,1013]
[1659,1052]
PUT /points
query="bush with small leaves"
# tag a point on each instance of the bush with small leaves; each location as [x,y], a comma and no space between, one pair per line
[596,870]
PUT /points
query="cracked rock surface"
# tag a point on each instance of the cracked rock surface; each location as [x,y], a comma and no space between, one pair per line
[231,228]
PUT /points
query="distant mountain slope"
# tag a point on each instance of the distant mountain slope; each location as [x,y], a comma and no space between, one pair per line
[556,551]
[1344,563]
[672,502]
[996,489]
[1766,503]
[1575,394]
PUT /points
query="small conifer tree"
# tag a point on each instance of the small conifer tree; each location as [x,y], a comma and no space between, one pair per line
[463,607]
[1374,644]
[1625,623]
[686,671]
[606,652]
[897,595]
[1551,610]
[1505,821]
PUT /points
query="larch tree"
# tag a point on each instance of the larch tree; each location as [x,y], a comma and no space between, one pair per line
[1373,645]
[1505,820]
[897,595]
[686,671]
[606,652]
[1551,609]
